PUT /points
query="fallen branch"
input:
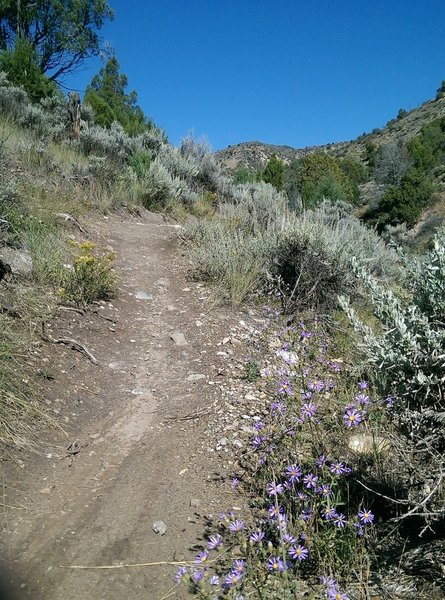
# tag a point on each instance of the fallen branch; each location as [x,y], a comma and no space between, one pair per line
[71,309]
[150,564]
[74,344]
[96,312]
[200,413]
[132,565]
[71,219]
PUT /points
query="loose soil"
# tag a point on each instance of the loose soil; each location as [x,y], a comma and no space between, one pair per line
[140,418]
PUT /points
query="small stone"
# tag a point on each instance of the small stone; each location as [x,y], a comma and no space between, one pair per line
[46,490]
[159,527]
[179,339]
[195,502]
[141,391]
[144,296]
[223,442]
[237,443]
[195,377]
[368,444]
[226,340]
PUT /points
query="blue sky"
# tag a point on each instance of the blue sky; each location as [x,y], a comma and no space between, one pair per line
[295,72]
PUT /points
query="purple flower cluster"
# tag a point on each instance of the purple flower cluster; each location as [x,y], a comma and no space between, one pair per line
[310,491]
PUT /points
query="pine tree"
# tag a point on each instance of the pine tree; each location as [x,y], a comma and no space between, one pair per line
[110,102]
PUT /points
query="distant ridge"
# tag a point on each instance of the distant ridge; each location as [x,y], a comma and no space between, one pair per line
[255,155]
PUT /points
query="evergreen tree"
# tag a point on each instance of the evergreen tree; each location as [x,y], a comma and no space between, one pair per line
[274,172]
[21,65]
[110,102]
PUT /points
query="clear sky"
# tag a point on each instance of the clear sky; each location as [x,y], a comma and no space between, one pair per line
[295,72]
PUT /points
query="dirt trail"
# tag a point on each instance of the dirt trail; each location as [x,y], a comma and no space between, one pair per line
[136,463]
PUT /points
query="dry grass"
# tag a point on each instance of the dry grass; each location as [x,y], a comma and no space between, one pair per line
[22,412]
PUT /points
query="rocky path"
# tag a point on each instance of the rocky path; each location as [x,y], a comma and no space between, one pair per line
[139,419]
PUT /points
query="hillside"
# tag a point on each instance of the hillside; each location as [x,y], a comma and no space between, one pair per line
[255,155]
[158,378]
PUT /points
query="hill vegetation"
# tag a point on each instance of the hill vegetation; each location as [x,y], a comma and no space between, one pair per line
[346,473]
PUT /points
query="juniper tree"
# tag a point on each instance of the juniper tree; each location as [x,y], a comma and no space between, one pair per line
[62,32]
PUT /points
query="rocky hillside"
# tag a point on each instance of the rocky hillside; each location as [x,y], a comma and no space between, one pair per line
[255,155]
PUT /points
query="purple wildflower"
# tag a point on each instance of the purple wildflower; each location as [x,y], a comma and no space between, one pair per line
[232,579]
[278,408]
[310,480]
[328,512]
[282,522]
[289,539]
[340,520]
[234,483]
[299,552]
[214,542]
[293,472]
[363,385]
[352,417]
[307,395]
[285,388]
[366,516]
[321,461]
[306,514]
[288,485]
[239,566]
[327,581]
[274,489]
[202,557]
[275,563]
[197,575]
[338,468]
[324,490]
[335,366]
[180,574]
[302,497]
[256,537]
[258,441]
[308,410]
[258,425]
[236,526]
[214,580]
[389,401]
[319,385]
[362,398]
[274,511]
[359,529]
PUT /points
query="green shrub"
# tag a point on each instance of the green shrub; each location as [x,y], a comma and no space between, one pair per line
[91,277]
[244,175]
[317,177]
[274,172]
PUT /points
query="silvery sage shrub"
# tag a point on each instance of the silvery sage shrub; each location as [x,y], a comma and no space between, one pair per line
[406,354]
[410,347]
[112,143]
